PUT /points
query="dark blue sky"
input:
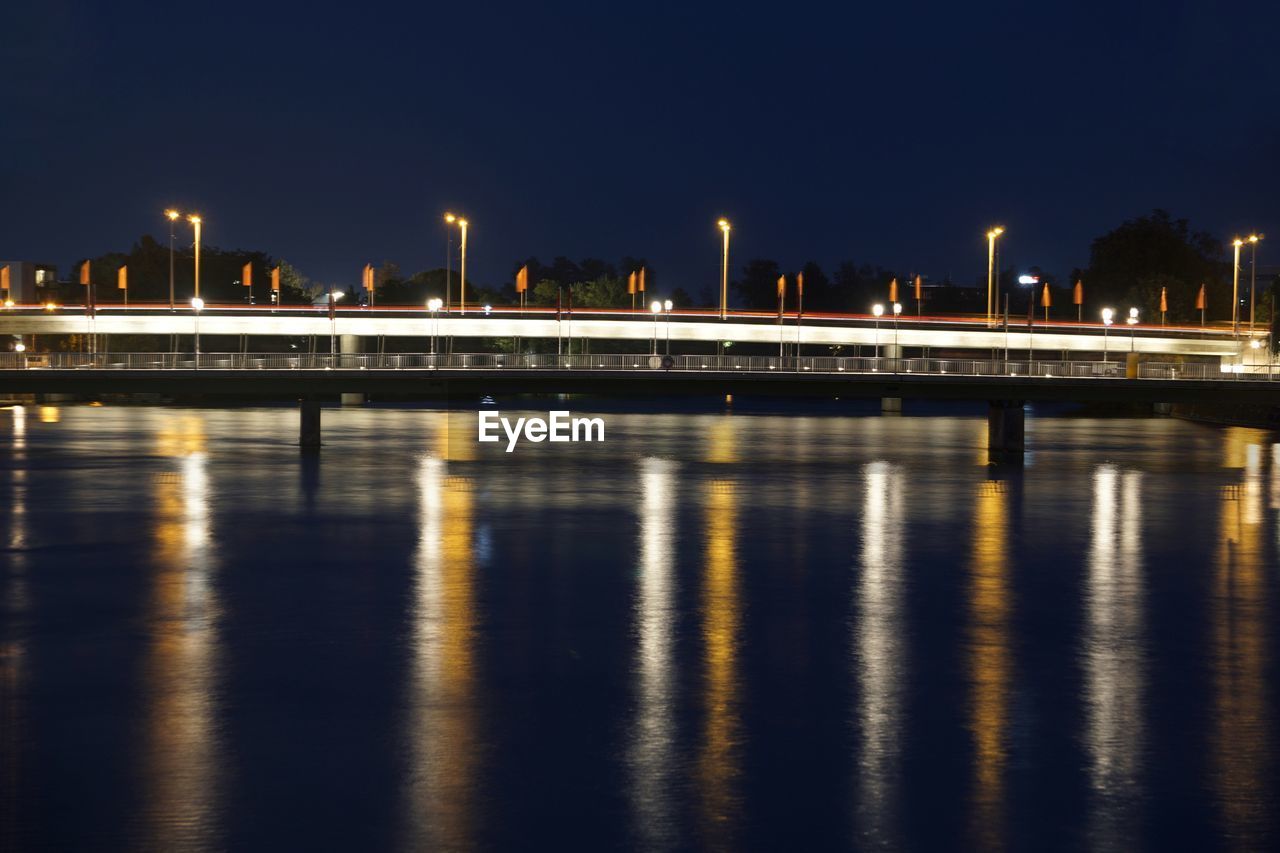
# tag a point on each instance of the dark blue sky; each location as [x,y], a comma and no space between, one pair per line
[893,134]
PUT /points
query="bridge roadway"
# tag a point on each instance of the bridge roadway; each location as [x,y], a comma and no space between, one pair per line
[682,327]
[1006,386]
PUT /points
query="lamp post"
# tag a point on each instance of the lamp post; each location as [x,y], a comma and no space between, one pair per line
[656,308]
[724,270]
[172,215]
[1235,287]
[1253,274]
[667,306]
[462,274]
[196,305]
[196,221]
[992,235]
[433,305]
[878,311]
[1133,322]
[897,351]
[449,219]
[1107,314]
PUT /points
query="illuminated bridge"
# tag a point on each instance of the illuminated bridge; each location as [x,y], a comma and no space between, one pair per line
[922,357]
[687,331]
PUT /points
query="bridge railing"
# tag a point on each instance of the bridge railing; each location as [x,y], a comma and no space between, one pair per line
[625,362]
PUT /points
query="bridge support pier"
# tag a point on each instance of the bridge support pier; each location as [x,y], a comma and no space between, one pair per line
[1006,425]
[350,345]
[309,426]
[891,405]
[1162,409]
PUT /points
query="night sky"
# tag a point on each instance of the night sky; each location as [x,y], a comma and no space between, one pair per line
[894,134]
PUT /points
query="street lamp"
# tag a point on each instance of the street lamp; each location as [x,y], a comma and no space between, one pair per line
[433,305]
[667,306]
[449,219]
[656,308]
[195,223]
[897,309]
[1253,274]
[1107,314]
[1133,322]
[724,271]
[1235,287]
[172,215]
[462,274]
[878,311]
[196,305]
[991,271]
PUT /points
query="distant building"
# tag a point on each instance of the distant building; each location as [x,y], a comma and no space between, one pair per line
[25,277]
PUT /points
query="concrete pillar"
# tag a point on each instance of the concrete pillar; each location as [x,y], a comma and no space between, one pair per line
[349,343]
[891,405]
[309,429]
[1006,426]
[1131,366]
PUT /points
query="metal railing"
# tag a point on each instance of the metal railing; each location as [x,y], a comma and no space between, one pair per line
[616,362]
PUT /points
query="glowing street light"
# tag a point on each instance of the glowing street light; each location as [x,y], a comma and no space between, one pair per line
[433,305]
[992,235]
[656,308]
[196,221]
[878,311]
[667,306]
[724,270]
[1253,274]
[1107,314]
[1235,287]
[449,220]
[173,216]
[1133,322]
[197,305]
[897,309]
[462,275]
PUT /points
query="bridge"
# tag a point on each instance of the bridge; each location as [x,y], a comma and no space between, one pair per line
[1005,384]
[683,329]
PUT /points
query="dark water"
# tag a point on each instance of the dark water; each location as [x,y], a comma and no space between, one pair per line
[738,631]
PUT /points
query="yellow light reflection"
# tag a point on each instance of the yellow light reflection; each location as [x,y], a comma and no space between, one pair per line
[879,652]
[13,643]
[652,751]
[1115,660]
[718,752]
[1242,720]
[50,414]
[442,721]
[990,661]
[722,442]
[183,754]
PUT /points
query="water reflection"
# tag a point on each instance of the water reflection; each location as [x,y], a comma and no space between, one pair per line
[718,755]
[1242,723]
[13,646]
[652,749]
[990,662]
[879,654]
[182,753]
[442,727]
[1115,659]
